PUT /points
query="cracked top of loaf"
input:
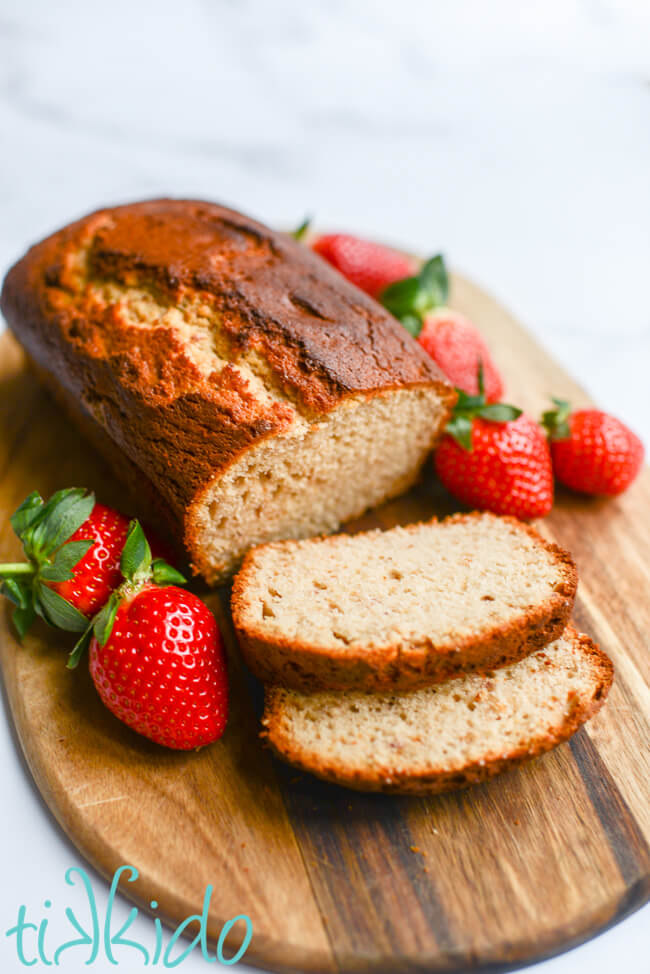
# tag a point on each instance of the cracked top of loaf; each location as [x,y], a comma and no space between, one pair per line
[188,332]
[321,336]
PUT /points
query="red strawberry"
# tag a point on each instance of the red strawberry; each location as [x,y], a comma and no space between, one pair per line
[97,573]
[459,348]
[74,547]
[162,670]
[156,654]
[592,452]
[496,458]
[371,266]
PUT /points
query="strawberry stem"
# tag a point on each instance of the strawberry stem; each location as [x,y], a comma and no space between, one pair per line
[468,407]
[300,232]
[10,570]
[556,421]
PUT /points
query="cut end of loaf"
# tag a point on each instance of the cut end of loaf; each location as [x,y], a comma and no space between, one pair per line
[193,337]
[317,475]
[447,736]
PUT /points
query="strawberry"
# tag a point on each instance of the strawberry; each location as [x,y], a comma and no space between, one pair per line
[371,266]
[74,546]
[162,669]
[156,654]
[496,458]
[458,348]
[592,452]
[97,572]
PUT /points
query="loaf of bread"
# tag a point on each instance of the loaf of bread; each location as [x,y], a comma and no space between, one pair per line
[447,736]
[233,378]
[400,608]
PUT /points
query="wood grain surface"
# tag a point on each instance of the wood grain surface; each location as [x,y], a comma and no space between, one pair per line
[523,867]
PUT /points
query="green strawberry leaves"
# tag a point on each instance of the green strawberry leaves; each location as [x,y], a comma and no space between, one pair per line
[65,559]
[460,427]
[467,407]
[412,323]
[434,281]
[18,591]
[82,644]
[165,574]
[100,626]
[136,563]
[25,515]
[136,554]
[103,622]
[44,528]
[57,611]
[403,298]
[137,569]
[413,297]
[556,421]
[22,618]
[499,412]
[301,232]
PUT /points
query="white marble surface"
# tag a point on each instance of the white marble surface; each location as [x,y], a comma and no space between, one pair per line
[515,137]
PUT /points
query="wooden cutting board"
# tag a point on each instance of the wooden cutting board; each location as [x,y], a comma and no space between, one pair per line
[520,868]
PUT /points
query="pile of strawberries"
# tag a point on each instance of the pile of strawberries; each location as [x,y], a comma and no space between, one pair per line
[155,652]
[492,456]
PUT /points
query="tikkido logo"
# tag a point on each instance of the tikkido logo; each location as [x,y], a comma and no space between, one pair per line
[93,937]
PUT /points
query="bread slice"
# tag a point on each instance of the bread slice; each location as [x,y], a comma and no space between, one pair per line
[241,387]
[446,736]
[401,608]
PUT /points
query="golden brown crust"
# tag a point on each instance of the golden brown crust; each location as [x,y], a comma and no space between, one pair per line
[320,337]
[144,500]
[404,666]
[436,781]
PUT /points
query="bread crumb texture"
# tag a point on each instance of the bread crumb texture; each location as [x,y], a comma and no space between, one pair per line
[317,470]
[442,580]
[396,608]
[444,736]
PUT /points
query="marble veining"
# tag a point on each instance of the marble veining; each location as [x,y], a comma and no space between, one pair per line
[514,137]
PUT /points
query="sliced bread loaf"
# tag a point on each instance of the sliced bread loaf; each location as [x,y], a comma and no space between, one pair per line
[236,381]
[446,736]
[401,608]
